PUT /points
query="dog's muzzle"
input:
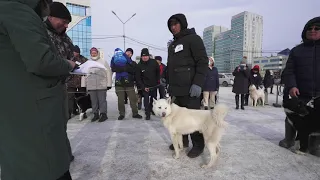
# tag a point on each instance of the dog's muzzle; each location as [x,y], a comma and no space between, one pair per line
[164,114]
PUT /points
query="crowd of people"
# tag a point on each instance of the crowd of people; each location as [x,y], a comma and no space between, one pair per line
[34,142]
[244,77]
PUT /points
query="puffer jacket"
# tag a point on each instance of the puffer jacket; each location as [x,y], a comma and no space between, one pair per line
[97,79]
[303,66]
[187,59]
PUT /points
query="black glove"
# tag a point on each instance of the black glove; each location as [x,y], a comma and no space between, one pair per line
[108,88]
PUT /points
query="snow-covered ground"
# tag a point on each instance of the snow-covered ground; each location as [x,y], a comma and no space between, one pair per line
[138,149]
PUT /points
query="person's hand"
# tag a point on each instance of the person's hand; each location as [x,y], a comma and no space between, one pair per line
[73,64]
[294,92]
[146,89]
[195,91]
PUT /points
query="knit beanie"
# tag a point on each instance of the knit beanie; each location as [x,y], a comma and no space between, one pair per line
[76,49]
[159,58]
[256,67]
[145,52]
[94,49]
[59,10]
[130,49]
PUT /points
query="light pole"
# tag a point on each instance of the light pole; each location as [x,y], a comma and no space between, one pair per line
[123,25]
[233,38]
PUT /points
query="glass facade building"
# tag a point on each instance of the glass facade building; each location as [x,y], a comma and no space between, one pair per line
[208,41]
[80,33]
[209,34]
[243,40]
[222,52]
[237,37]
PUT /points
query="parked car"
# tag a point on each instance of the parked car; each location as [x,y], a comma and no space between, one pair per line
[226,79]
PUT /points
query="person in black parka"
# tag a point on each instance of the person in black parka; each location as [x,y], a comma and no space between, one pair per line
[241,83]
[267,83]
[148,77]
[302,76]
[186,68]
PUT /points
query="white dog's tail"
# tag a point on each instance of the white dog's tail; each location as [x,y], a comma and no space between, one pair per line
[219,113]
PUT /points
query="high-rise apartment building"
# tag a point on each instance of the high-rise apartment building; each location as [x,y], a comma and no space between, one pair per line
[209,34]
[222,52]
[79,29]
[244,39]
[247,34]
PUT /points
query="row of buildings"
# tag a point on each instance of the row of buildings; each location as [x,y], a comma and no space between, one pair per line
[229,46]
[243,40]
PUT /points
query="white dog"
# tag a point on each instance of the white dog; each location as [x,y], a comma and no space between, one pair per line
[256,94]
[180,120]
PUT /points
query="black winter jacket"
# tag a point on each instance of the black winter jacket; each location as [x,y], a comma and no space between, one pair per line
[187,60]
[303,66]
[256,79]
[147,74]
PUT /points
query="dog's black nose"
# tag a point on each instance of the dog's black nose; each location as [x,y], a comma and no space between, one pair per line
[163,114]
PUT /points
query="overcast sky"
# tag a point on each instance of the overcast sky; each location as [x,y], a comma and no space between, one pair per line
[283,20]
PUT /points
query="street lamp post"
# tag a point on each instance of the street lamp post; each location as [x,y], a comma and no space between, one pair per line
[233,38]
[123,26]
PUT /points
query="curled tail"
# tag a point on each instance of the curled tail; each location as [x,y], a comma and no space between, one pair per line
[219,113]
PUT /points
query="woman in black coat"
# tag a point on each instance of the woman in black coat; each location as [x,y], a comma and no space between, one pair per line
[267,83]
[241,83]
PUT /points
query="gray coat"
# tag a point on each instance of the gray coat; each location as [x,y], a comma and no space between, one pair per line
[241,81]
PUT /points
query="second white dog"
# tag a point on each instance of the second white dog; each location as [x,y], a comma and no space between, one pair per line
[256,94]
[180,120]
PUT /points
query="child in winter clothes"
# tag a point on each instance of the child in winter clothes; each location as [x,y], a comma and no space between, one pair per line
[255,79]
[211,85]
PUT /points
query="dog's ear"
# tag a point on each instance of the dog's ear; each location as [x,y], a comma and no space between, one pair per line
[169,100]
[154,102]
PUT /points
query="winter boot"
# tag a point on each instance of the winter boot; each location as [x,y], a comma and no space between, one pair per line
[314,145]
[266,102]
[198,145]
[137,116]
[237,101]
[103,117]
[246,99]
[290,135]
[185,141]
[121,117]
[206,108]
[242,101]
[95,117]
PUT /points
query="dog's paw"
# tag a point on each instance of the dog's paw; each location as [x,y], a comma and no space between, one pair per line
[299,152]
[205,166]
[175,156]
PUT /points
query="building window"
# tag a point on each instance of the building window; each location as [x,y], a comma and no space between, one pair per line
[274,60]
[77,10]
[264,61]
[80,35]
